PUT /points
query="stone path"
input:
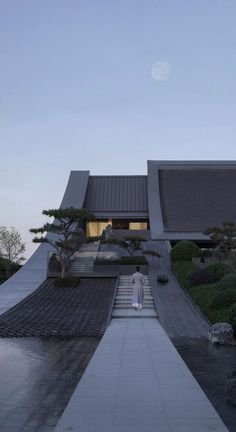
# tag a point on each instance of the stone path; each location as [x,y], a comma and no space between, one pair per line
[137,382]
[178,314]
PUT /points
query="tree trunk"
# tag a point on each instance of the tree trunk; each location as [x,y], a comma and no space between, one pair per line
[63,267]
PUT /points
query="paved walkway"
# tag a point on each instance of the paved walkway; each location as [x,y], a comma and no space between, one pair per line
[136,381]
[178,314]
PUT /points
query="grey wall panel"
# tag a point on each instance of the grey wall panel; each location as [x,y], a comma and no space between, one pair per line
[154,203]
[34,272]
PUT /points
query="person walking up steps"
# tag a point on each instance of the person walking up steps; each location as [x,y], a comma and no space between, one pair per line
[137,279]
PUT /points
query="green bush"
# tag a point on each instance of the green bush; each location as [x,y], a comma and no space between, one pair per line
[224,299]
[219,269]
[232,312]
[222,315]
[228,282]
[202,277]
[232,317]
[184,269]
[203,295]
[184,250]
[66,282]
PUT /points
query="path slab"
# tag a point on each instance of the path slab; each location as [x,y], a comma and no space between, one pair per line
[137,382]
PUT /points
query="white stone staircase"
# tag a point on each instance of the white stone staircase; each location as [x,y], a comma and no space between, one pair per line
[83,260]
[123,301]
[81,265]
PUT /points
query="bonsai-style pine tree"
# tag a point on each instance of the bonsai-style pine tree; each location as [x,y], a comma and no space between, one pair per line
[131,244]
[224,237]
[63,233]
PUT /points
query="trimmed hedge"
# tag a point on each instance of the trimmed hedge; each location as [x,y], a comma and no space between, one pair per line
[184,269]
[219,269]
[224,299]
[184,250]
[228,282]
[203,295]
[66,282]
[202,277]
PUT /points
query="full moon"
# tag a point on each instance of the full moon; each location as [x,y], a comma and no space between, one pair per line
[160,71]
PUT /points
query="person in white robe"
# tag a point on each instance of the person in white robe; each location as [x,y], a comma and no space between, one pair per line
[137,279]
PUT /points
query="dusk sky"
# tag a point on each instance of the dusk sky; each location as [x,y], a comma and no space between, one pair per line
[104,86]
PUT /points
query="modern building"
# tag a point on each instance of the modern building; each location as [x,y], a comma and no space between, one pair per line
[175,200]
[135,360]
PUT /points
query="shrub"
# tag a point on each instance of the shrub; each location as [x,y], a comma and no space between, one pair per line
[203,295]
[224,299]
[184,250]
[162,279]
[67,282]
[202,277]
[232,317]
[222,315]
[232,312]
[219,269]
[228,282]
[184,269]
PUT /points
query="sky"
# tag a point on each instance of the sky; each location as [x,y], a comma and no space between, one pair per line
[105,86]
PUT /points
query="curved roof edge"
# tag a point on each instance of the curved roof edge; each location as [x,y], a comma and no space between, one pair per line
[187,164]
[34,272]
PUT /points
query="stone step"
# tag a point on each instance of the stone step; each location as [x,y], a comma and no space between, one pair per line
[127,299]
[130,292]
[132,313]
[128,277]
[119,295]
[80,266]
[129,305]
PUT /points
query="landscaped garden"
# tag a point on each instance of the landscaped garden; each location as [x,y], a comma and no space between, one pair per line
[211,282]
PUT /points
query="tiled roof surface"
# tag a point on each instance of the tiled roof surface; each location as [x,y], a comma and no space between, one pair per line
[50,311]
[117,194]
[194,199]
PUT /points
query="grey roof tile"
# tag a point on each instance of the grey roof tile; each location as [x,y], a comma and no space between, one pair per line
[117,194]
[194,199]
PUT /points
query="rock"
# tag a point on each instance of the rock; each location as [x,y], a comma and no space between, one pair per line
[230,388]
[221,333]
[163,279]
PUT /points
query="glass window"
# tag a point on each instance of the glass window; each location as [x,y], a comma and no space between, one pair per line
[138,225]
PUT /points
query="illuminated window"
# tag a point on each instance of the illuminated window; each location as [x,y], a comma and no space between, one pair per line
[95,228]
[138,225]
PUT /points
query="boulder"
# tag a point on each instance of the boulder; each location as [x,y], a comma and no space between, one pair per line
[221,333]
[230,388]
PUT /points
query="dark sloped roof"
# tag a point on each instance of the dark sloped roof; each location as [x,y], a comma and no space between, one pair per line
[61,312]
[117,194]
[194,199]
